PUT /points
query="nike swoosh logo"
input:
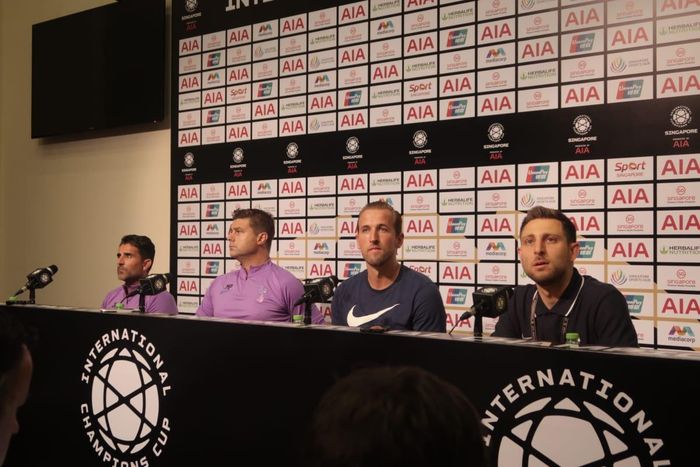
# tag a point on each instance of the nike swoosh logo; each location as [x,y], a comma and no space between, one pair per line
[360,320]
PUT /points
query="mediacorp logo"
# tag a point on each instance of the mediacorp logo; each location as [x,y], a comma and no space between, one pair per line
[569,417]
[126,385]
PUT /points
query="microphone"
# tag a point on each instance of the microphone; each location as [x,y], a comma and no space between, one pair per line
[154,284]
[39,278]
[318,290]
[489,302]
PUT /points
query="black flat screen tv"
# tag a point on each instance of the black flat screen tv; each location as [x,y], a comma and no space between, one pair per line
[98,69]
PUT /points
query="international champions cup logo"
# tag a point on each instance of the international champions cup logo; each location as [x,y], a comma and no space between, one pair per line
[126,386]
[568,417]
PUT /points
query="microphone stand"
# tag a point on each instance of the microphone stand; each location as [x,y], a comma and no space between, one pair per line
[31,301]
[475,312]
[32,295]
[307,312]
[478,325]
[142,303]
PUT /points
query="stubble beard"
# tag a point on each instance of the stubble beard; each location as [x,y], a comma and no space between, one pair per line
[379,261]
[550,278]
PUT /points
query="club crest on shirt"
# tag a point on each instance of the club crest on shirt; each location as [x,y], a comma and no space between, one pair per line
[262,290]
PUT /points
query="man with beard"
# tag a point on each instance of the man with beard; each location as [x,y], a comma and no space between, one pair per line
[387,294]
[562,300]
[134,261]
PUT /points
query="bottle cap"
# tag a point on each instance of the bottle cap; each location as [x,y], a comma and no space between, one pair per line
[571,336]
[297,319]
[119,306]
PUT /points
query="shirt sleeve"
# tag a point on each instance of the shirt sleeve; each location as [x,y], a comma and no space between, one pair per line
[613,324]
[163,302]
[428,310]
[508,324]
[206,308]
[336,307]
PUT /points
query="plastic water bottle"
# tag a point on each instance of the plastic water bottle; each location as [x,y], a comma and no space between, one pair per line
[572,339]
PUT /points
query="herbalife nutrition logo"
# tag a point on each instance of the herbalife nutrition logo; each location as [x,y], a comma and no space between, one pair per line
[126,384]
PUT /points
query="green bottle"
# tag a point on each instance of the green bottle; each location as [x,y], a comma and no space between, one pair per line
[572,339]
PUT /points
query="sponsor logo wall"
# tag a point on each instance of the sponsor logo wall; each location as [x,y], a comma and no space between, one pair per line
[462,115]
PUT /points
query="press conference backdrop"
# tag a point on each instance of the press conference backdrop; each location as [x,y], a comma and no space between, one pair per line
[462,115]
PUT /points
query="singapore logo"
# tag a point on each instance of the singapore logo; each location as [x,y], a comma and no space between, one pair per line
[420,139]
[238,155]
[352,145]
[496,132]
[529,421]
[681,116]
[191,5]
[292,150]
[583,125]
[189,159]
[126,386]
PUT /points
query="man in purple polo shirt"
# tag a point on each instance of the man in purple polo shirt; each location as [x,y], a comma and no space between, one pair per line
[260,290]
[134,261]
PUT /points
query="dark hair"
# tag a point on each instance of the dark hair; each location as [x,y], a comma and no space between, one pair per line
[540,212]
[260,221]
[398,219]
[394,416]
[146,248]
[13,336]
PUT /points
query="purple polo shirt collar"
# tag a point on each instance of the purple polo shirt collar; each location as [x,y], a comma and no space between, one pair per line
[254,269]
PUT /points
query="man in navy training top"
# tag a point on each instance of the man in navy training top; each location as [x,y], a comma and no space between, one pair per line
[562,300]
[260,290]
[134,260]
[386,294]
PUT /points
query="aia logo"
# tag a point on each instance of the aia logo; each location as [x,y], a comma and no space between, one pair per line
[681,305]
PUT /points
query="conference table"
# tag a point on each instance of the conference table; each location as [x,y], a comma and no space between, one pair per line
[121,388]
